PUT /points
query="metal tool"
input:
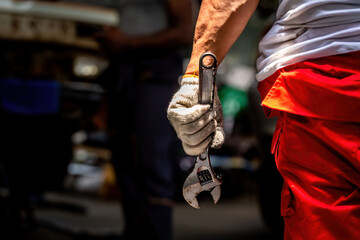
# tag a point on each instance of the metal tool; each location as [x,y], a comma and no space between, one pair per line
[202,177]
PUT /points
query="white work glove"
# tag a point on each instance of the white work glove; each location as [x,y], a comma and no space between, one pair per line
[196,125]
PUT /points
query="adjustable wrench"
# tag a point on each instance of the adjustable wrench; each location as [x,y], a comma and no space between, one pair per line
[202,177]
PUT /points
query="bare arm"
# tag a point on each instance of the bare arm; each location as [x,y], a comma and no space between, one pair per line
[219,24]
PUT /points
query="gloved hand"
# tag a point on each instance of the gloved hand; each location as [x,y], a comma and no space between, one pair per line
[197,125]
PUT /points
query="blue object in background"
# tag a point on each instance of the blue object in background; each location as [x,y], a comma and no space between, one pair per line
[30,97]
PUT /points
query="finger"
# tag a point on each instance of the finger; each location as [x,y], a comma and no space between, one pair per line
[218,138]
[183,115]
[198,124]
[186,96]
[200,136]
[198,149]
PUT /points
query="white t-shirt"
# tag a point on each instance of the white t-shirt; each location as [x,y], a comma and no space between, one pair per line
[306,29]
[143,17]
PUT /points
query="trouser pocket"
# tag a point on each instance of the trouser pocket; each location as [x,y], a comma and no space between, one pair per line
[287,197]
[275,144]
[287,201]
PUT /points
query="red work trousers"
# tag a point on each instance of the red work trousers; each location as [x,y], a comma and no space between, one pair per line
[317,145]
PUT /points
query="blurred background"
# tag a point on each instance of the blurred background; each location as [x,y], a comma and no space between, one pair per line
[60,165]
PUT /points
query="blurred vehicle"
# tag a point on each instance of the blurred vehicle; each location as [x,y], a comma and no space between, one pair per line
[51,85]
[55,41]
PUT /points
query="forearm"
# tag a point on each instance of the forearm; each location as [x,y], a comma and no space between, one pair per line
[219,24]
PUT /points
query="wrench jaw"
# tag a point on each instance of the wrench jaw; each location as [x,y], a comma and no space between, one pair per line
[190,194]
[191,189]
[215,193]
[201,178]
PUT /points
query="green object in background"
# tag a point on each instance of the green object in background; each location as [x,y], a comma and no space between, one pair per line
[233,101]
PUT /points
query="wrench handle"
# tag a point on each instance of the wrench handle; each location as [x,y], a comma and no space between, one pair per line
[207,74]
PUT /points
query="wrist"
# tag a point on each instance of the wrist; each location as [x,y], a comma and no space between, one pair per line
[190,75]
[192,68]
[189,79]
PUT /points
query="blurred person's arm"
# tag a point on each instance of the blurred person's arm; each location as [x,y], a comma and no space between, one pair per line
[219,24]
[179,33]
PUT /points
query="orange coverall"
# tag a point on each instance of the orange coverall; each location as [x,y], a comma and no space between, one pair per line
[317,145]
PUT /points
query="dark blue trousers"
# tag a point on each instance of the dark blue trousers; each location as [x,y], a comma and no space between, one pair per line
[144,145]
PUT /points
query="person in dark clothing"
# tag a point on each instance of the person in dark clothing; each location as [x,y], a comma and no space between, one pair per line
[147,51]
